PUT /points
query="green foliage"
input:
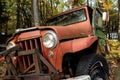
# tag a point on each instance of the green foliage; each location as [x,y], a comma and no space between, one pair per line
[114,49]
[3,17]
[8,13]
[47,8]
[24,14]
[113,23]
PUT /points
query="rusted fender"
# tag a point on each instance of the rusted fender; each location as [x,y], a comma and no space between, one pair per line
[71,46]
[77,44]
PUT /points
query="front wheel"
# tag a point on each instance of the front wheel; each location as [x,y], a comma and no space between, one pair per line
[94,65]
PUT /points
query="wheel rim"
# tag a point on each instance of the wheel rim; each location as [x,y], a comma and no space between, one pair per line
[98,74]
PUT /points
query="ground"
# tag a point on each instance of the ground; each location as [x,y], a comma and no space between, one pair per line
[113,59]
[114,67]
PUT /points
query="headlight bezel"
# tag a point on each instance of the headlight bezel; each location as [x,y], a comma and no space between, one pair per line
[10,44]
[50,40]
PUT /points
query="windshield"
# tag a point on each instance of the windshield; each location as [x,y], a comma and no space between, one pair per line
[70,18]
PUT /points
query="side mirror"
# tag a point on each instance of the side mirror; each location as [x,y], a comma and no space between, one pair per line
[105,18]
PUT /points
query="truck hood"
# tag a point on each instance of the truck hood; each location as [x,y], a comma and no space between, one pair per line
[67,32]
[63,32]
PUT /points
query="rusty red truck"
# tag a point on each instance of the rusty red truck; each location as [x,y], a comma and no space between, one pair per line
[70,45]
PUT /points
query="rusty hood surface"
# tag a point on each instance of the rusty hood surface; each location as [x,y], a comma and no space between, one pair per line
[63,32]
[67,32]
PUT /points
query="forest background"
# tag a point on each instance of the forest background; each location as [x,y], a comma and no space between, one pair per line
[16,14]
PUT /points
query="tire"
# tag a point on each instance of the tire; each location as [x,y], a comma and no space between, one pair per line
[94,65]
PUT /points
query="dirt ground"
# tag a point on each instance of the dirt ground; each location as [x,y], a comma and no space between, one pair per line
[114,67]
[117,73]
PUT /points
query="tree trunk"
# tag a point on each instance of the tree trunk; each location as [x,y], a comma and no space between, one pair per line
[18,14]
[35,11]
[119,20]
[51,4]
[75,3]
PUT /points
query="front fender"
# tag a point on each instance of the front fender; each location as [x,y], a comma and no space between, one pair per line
[75,45]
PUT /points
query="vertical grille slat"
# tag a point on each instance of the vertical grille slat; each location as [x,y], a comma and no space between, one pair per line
[31,45]
[27,47]
[21,46]
[28,58]
[36,45]
[24,64]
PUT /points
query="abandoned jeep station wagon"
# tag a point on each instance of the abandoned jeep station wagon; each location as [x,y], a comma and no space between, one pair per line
[70,45]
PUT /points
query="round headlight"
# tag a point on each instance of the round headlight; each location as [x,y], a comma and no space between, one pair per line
[10,45]
[50,39]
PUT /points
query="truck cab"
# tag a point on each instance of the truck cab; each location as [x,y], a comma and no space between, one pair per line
[70,45]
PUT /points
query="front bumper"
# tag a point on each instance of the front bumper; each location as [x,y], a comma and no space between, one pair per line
[40,76]
[83,77]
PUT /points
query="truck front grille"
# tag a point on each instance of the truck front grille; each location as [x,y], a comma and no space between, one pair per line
[30,44]
[27,62]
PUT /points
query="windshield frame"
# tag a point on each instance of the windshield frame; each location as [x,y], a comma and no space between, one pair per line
[56,18]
